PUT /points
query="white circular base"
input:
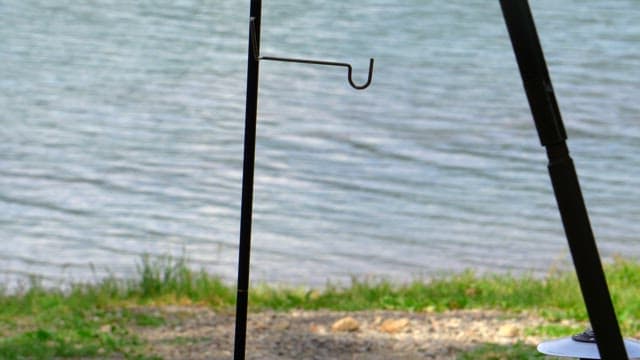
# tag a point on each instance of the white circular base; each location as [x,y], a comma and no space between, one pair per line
[567,347]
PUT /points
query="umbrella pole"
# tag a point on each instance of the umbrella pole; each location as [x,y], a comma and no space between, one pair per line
[564,179]
[244,250]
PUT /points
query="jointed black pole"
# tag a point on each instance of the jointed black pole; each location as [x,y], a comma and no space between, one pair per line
[564,179]
[242,298]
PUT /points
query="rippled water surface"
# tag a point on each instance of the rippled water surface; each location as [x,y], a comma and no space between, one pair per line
[122,127]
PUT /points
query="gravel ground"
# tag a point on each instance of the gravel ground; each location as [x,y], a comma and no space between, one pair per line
[198,333]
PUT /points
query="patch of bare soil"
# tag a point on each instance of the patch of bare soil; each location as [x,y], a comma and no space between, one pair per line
[197,333]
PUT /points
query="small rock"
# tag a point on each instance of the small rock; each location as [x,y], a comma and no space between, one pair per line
[345,324]
[393,326]
[281,325]
[508,330]
[317,329]
[105,328]
[262,325]
[453,323]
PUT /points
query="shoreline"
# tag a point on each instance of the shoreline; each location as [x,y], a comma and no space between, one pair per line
[169,309]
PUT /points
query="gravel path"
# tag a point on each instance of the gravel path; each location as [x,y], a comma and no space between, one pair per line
[197,333]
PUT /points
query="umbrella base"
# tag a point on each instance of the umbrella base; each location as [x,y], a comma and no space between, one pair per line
[568,347]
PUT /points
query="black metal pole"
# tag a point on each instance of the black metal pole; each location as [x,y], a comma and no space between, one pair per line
[244,252]
[564,179]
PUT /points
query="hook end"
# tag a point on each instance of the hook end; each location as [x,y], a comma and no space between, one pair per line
[369,77]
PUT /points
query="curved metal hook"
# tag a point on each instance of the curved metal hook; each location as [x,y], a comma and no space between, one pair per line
[256,53]
[360,87]
[330,63]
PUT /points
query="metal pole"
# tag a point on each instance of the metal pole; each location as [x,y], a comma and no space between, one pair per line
[564,179]
[244,252]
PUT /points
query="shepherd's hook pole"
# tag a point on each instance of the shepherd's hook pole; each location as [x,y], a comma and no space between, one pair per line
[244,250]
[253,61]
[564,179]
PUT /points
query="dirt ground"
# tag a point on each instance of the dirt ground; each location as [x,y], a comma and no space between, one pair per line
[198,333]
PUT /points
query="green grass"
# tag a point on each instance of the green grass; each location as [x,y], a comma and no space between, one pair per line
[555,297]
[91,320]
[558,294]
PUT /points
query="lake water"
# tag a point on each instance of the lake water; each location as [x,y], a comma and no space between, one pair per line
[122,128]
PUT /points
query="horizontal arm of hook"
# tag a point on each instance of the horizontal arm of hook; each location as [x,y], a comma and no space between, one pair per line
[330,63]
[315,62]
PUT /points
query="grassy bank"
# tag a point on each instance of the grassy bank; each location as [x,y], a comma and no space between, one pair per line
[92,320]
